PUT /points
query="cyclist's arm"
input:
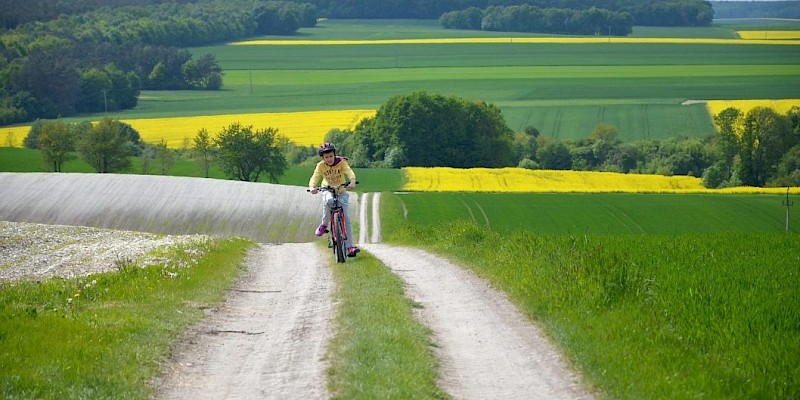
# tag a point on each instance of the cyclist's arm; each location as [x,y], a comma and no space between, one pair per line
[350,174]
[315,177]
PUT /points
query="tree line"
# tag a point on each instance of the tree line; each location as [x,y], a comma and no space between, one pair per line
[527,18]
[756,9]
[242,152]
[101,60]
[756,148]
[651,12]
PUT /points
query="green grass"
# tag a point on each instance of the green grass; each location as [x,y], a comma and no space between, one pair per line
[104,336]
[615,213]
[379,349]
[649,316]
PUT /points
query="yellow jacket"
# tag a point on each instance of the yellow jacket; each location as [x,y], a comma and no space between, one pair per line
[332,175]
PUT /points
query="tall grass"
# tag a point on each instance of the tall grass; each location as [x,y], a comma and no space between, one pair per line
[650,316]
[379,349]
[104,336]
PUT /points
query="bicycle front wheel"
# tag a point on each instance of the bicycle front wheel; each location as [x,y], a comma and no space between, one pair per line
[338,239]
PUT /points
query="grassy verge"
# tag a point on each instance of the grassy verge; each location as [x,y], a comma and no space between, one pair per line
[104,336]
[379,350]
[653,316]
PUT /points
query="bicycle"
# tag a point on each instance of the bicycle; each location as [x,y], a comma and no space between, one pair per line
[338,234]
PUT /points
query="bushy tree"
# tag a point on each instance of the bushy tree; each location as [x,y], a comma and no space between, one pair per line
[244,154]
[434,130]
[463,19]
[554,155]
[278,18]
[108,146]
[203,150]
[56,143]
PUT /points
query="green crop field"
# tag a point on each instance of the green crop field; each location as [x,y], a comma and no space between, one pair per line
[563,89]
[617,213]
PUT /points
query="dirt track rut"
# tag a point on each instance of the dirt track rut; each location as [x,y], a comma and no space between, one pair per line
[487,349]
[268,340]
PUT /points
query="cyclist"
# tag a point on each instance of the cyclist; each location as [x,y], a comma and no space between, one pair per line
[333,169]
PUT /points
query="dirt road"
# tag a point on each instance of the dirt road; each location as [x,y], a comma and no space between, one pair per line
[487,349]
[269,339]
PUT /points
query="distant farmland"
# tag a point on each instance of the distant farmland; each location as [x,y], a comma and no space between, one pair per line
[561,86]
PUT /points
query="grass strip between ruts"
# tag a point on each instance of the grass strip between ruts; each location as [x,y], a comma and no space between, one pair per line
[379,350]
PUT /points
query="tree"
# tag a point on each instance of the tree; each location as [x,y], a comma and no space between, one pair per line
[765,137]
[554,155]
[244,154]
[203,150]
[203,73]
[95,85]
[789,168]
[277,18]
[728,122]
[434,130]
[165,156]
[107,146]
[56,142]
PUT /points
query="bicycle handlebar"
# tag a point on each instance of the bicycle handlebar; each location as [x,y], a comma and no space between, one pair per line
[331,188]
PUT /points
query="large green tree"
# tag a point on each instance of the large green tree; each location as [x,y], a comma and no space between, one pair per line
[427,130]
[56,143]
[108,146]
[244,153]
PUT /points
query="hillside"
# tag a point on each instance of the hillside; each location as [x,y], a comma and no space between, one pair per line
[161,204]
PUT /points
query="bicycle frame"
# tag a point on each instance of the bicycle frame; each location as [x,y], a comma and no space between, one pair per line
[337,234]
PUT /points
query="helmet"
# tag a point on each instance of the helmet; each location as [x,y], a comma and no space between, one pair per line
[326,147]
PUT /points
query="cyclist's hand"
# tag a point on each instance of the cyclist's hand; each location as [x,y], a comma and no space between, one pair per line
[314,190]
[351,185]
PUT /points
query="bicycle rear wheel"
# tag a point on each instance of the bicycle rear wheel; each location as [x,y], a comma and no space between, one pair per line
[338,239]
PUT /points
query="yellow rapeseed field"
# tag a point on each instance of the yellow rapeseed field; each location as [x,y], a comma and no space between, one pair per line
[588,39]
[769,35]
[304,127]
[780,106]
[520,180]
[13,136]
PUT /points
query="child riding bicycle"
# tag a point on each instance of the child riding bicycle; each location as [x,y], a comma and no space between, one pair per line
[333,169]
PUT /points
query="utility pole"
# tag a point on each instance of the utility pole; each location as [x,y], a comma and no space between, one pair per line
[788,203]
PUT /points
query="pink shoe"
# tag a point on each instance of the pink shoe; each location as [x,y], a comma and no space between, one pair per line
[352,251]
[321,229]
